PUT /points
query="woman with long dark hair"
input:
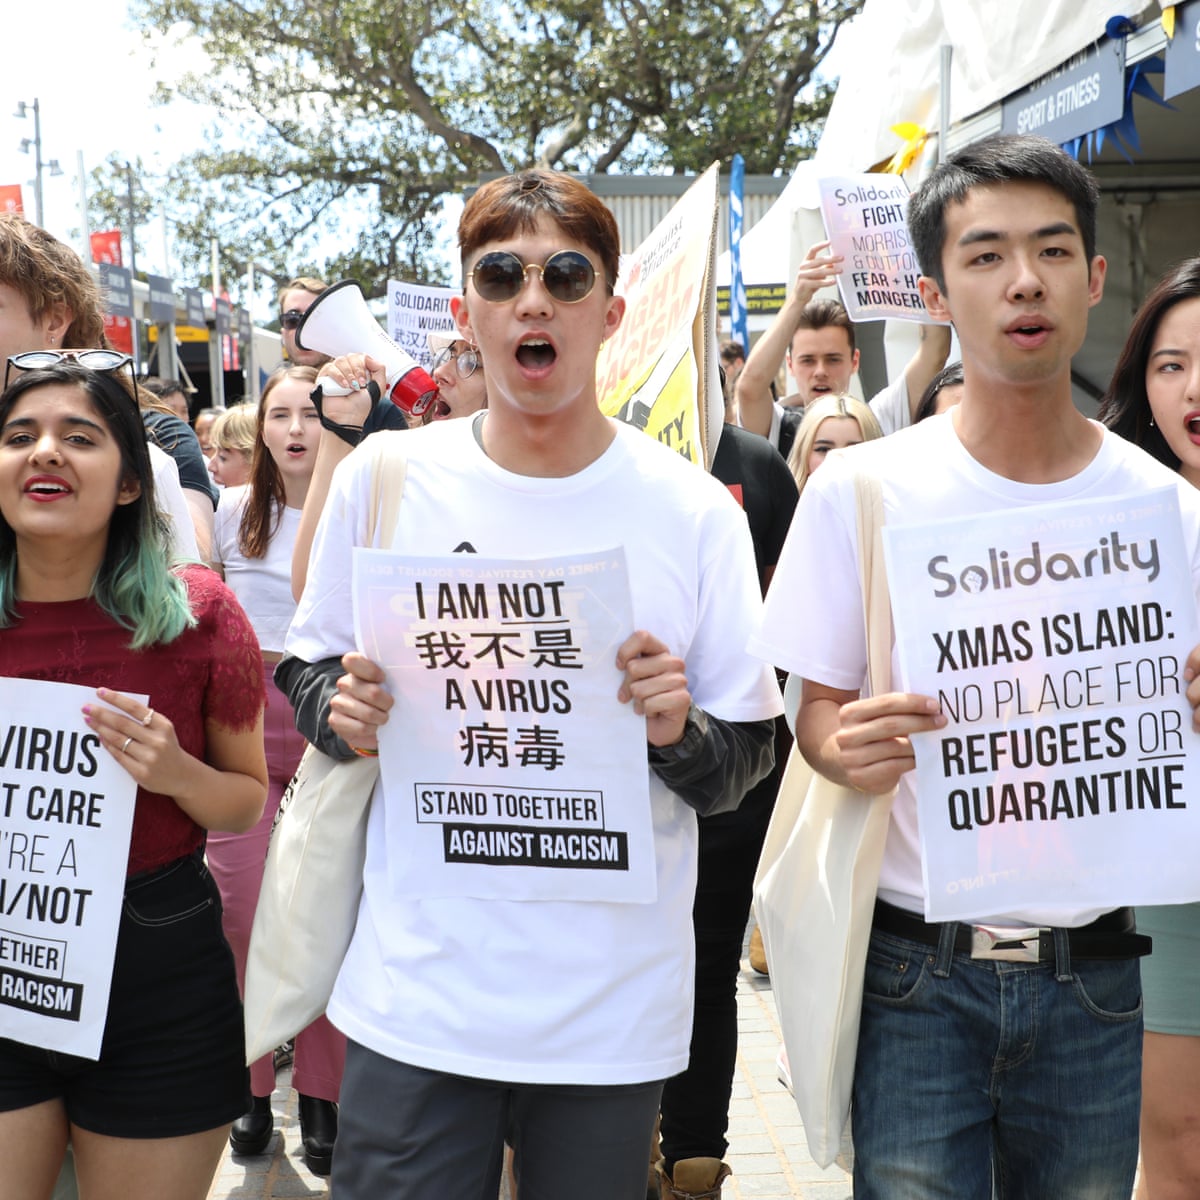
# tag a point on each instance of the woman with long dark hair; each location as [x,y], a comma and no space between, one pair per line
[1154,400]
[255,530]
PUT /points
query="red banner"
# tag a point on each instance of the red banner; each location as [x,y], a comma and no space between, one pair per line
[10,198]
[106,247]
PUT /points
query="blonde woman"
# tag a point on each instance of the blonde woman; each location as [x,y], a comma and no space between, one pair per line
[830,423]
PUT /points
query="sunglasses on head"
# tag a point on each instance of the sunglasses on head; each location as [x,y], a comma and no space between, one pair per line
[291,319]
[105,361]
[567,276]
[466,362]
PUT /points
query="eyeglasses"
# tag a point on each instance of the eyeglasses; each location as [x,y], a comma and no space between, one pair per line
[291,319]
[466,362]
[106,361]
[568,276]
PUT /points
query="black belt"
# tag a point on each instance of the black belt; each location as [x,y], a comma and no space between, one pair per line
[1110,936]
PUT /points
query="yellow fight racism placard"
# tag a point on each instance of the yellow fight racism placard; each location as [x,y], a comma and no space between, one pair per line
[659,371]
[509,769]
[1054,638]
[66,812]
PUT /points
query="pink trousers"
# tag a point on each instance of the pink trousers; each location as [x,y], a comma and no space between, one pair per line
[236,862]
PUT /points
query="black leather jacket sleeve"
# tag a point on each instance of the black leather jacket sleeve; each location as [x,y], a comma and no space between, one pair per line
[716,762]
[310,687]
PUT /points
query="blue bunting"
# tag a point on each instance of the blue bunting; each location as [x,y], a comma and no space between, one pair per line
[1124,132]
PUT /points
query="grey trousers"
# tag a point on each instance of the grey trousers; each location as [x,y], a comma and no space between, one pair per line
[405,1133]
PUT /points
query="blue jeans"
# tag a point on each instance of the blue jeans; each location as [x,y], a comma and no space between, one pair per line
[978,1079]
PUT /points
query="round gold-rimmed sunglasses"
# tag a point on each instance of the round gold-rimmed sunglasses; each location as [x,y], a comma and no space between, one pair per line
[568,276]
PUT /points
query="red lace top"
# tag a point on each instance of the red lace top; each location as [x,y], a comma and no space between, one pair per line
[211,671]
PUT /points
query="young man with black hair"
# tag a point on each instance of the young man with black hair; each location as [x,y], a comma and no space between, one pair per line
[976,1078]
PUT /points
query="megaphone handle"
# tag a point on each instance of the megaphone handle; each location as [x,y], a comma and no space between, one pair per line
[351,434]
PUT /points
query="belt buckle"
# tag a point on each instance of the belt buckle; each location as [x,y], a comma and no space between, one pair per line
[1005,943]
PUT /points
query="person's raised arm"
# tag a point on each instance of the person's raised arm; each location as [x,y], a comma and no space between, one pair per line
[349,411]
[753,388]
[862,743]
[932,351]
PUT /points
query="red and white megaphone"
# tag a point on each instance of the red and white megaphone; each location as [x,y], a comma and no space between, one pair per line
[339,322]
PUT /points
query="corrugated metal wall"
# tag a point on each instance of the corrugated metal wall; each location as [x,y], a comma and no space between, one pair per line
[639,202]
[638,215]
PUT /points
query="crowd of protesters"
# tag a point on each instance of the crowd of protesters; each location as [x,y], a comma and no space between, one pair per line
[196,572]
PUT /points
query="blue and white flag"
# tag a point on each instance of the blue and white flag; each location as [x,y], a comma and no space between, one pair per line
[737,290]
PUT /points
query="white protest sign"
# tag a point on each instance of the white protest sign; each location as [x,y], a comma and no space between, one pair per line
[66,812]
[1054,638]
[865,223]
[509,769]
[414,312]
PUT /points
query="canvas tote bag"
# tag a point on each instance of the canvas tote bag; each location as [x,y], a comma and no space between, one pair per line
[814,890]
[312,882]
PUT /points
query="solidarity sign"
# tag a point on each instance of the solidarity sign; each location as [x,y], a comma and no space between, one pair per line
[1054,638]
[66,811]
[509,769]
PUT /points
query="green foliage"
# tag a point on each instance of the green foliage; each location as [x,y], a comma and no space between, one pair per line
[348,122]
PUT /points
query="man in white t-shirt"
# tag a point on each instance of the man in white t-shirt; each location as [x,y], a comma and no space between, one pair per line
[975,1078]
[555,1021]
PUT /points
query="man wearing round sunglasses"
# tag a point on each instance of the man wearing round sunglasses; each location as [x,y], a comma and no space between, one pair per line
[553,1021]
[295,299]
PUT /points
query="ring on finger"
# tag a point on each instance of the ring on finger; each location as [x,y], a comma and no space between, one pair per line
[125,747]
[148,718]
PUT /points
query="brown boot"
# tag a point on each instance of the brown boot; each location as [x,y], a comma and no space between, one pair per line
[757,953]
[693,1179]
[652,1192]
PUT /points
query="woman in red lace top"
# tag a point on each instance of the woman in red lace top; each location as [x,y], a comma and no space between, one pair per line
[87,597]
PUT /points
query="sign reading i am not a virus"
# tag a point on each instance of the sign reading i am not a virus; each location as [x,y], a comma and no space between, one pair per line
[509,768]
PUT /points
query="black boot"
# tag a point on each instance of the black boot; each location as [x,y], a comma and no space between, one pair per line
[318,1132]
[251,1134]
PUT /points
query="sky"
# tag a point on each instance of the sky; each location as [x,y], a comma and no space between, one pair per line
[93,79]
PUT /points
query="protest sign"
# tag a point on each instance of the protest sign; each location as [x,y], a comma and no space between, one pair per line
[66,812]
[865,221]
[1054,638]
[509,769]
[414,312]
[658,372]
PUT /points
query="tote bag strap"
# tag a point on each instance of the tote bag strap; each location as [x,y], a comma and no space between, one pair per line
[388,473]
[877,606]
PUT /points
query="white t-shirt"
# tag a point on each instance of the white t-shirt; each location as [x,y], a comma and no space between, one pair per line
[926,474]
[546,991]
[170,501]
[891,406]
[263,586]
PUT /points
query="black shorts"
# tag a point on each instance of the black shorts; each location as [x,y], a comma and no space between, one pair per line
[172,1060]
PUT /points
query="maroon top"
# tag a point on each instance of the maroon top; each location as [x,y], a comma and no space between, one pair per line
[210,672]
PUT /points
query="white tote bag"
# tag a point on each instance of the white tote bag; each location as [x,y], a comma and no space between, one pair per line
[312,882]
[814,891]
